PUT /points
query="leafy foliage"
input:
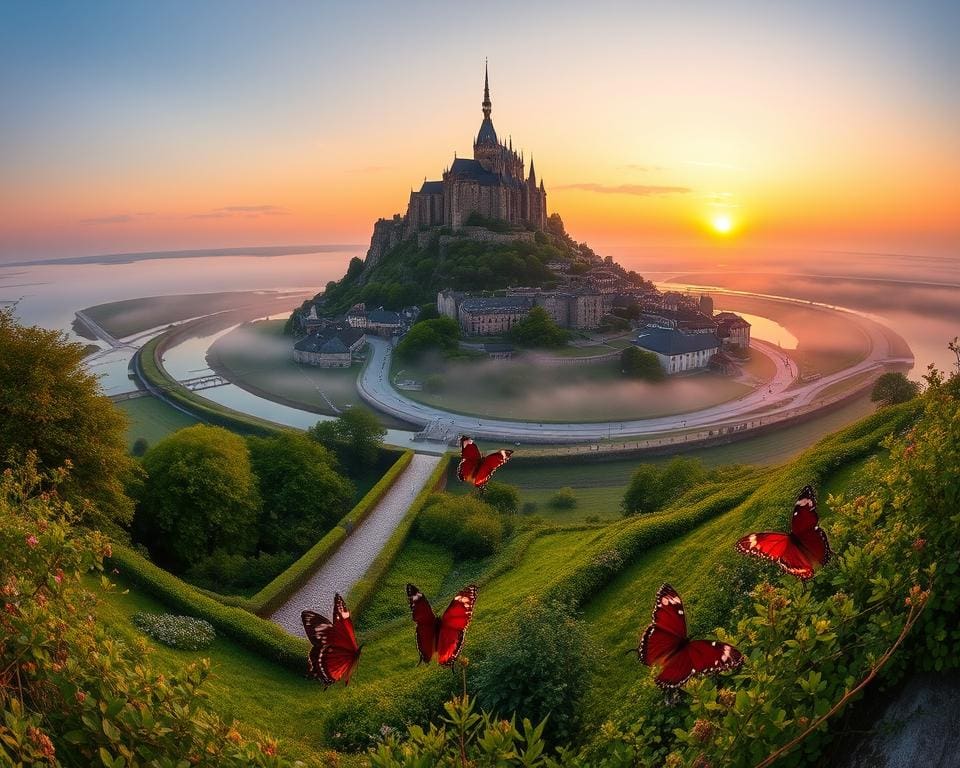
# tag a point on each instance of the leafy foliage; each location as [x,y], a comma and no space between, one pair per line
[302,493]
[465,738]
[537,668]
[183,632]
[538,329]
[652,488]
[355,436]
[637,363]
[467,526]
[200,495]
[52,405]
[70,693]
[502,497]
[892,388]
[564,498]
[438,335]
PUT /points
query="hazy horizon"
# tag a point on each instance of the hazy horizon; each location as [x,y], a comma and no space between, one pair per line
[131,128]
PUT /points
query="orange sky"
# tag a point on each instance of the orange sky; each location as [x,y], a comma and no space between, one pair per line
[805,128]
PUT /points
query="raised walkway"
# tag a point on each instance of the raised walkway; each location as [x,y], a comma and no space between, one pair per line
[357,552]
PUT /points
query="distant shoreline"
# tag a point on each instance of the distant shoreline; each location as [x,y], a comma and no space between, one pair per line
[129,258]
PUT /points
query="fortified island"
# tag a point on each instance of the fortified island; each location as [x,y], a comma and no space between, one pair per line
[479,246]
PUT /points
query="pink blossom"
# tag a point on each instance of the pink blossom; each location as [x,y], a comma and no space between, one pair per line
[32,541]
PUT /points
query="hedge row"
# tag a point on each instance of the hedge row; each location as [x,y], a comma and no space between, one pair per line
[765,498]
[277,591]
[258,635]
[364,589]
[206,410]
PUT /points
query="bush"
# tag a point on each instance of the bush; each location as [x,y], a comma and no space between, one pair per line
[468,527]
[70,693]
[140,447]
[636,363]
[529,507]
[502,497]
[652,488]
[538,667]
[182,632]
[565,498]
[893,388]
[438,335]
[224,573]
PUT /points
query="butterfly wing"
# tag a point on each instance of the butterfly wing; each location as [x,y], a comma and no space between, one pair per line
[805,526]
[489,465]
[453,625]
[318,630]
[668,631]
[698,657]
[342,651]
[426,623]
[469,460]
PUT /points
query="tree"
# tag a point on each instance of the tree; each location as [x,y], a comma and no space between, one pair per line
[892,388]
[652,488]
[546,655]
[52,405]
[140,447]
[538,329]
[303,496]
[440,334]
[502,497]
[565,498]
[356,436]
[72,692]
[428,311]
[640,364]
[199,495]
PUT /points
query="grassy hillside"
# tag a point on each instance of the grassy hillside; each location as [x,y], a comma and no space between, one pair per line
[609,573]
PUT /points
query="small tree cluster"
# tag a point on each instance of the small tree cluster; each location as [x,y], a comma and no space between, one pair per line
[653,487]
[538,329]
[464,524]
[636,363]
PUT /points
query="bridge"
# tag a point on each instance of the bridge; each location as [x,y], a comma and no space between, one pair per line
[204,382]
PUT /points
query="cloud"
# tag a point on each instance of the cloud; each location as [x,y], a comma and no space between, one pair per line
[640,190]
[119,218]
[247,211]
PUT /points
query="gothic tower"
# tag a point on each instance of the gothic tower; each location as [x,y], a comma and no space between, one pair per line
[486,149]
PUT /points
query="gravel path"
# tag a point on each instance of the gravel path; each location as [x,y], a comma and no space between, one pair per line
[353,558]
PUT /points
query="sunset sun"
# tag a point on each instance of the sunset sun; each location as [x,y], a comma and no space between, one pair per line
[722,223]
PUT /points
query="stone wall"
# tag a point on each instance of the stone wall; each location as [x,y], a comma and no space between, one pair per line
[387,233]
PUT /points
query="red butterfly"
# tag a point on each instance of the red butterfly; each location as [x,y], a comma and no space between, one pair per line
[799,552]
[335,652]
[444,635]
[665,644]
[473,468]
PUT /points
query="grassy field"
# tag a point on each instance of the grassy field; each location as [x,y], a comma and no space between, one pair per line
[124,318]
[521,389]
[152,419]
[693,553]
[599,486]
[257,356]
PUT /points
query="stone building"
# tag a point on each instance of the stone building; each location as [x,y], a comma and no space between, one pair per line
[493,185]
[679,351]
[330,347]
[494,315]
[733,330]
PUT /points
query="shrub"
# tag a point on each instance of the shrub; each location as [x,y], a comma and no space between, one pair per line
[464,738]
[463,524]
[502,497]
[652,488]
[223,572]
[636,363]
[140,447]
[70,693]
[529,507]
[538,667]
[892,388]
[182,632]
[565,498]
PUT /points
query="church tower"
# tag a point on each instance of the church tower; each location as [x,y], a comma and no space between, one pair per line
[486,149]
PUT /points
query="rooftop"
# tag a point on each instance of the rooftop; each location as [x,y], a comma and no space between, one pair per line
[672,342]
[496,304]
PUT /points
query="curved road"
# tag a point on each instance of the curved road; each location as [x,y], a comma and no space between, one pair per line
[375,388]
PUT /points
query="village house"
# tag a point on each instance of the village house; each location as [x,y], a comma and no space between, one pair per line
[329,347]
[679,351]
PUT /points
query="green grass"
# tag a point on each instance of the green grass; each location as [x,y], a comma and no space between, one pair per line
[609,572]
[152,419]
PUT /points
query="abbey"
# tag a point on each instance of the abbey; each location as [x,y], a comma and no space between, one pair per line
[491,186]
